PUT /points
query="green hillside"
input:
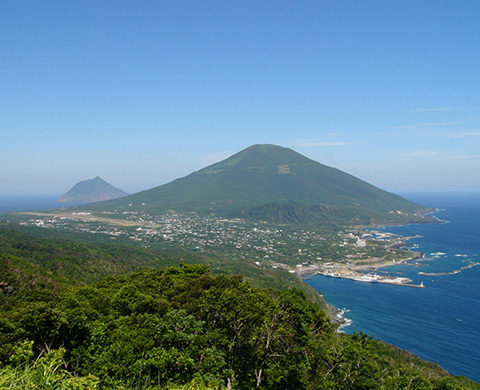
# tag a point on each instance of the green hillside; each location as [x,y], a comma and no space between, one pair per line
[182,327]
[264,177]
[31,256]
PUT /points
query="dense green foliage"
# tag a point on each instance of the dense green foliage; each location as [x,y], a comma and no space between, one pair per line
[266,174]
[179,326]
[82,262]
[46,373]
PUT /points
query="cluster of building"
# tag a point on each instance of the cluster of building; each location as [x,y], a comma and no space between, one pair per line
[268,245]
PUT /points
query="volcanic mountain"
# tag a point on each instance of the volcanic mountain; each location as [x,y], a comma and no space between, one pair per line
[276,184]
[93,190]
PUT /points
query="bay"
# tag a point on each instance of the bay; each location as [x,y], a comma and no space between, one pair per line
[441,322]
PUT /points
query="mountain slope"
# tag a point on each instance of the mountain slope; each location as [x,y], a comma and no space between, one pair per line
[93,190]
[271,176]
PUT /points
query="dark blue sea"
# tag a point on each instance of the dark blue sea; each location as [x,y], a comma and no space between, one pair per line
[440,322]
[9,203]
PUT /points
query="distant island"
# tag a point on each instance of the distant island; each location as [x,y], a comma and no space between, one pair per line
[93,190]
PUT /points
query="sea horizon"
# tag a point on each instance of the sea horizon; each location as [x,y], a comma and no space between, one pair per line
[28,202]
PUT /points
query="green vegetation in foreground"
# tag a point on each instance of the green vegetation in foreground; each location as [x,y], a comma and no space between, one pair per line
[182,327]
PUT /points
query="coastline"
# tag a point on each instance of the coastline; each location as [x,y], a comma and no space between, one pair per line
[439,322]
[366,273]
[338,318]
[361,272]
[358,271]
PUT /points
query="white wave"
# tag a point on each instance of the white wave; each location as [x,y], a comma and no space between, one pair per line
[347,322]
[438,254]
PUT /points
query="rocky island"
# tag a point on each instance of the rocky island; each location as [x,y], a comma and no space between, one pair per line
[93,190]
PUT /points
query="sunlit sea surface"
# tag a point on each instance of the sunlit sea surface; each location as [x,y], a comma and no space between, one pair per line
[441,322]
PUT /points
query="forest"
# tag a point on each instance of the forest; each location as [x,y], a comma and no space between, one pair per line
[158,326]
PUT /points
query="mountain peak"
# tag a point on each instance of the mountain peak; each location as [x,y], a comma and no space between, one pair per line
[259,157]
[272,183]
[93,190]
[274,151]
[266,148]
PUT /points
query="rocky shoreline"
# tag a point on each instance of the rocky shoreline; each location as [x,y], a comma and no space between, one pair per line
[338,318]
[365,271]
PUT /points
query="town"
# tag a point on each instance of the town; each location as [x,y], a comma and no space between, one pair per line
[348,253]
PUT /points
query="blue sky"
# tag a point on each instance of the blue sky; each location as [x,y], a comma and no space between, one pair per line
[143,92]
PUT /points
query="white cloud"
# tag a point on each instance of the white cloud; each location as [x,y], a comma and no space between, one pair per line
[466,134]
[426,124]
[466,157]
[422,153]
[433,109]
[313,142]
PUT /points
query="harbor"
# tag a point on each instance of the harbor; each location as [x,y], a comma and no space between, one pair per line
[374,278]
[356,273]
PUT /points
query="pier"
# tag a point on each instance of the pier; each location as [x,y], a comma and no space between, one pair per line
[421,285]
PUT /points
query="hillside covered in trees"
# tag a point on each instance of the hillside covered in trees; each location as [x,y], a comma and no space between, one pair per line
[275,184]
[176,327]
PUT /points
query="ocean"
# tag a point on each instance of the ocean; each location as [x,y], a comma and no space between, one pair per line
[10,203]
[440,322]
